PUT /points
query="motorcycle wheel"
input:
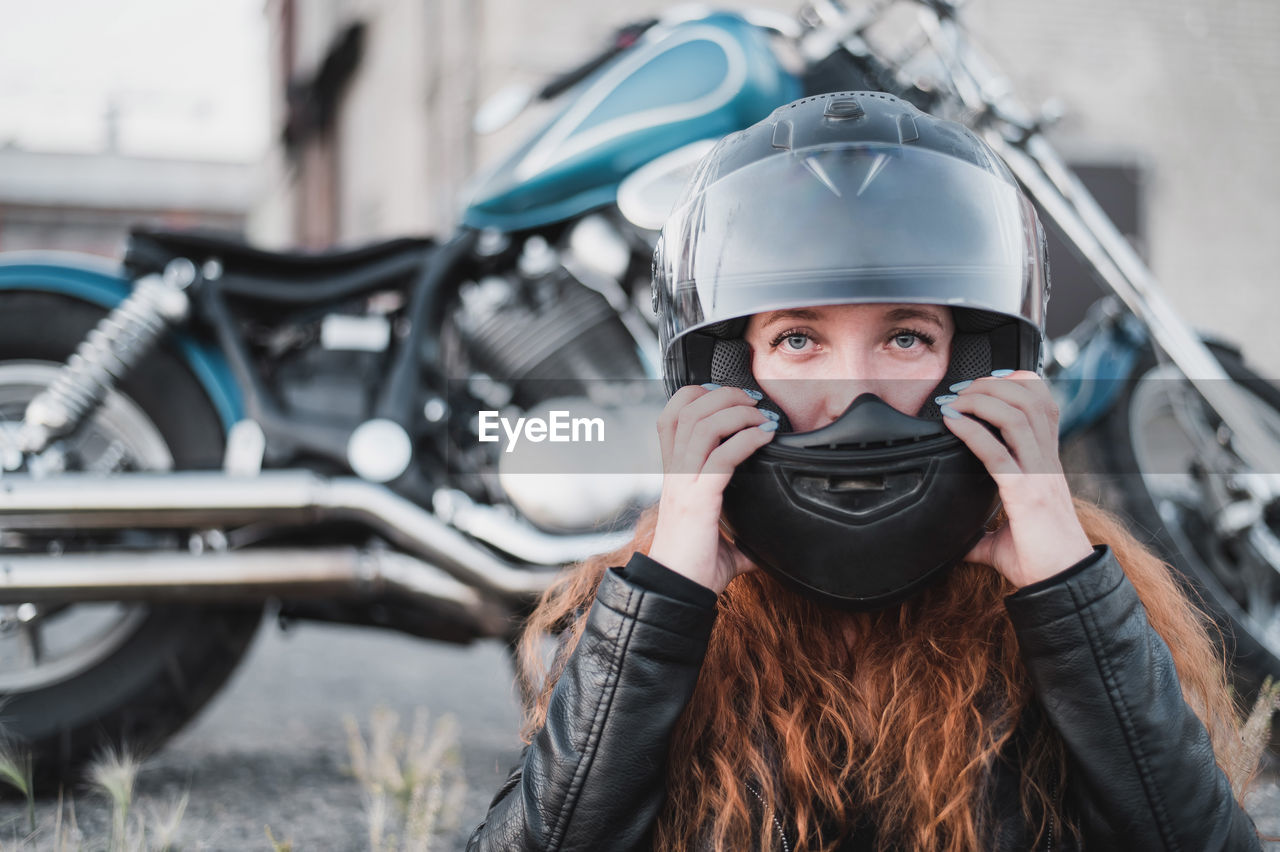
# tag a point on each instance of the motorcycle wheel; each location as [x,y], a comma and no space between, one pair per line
[1143,463]
[76,677]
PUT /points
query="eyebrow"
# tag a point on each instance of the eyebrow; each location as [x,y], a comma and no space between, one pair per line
[794,313]
[901,314]
[895,315]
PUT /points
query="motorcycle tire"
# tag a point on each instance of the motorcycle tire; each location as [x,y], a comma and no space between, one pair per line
[165,661]
[1136,466]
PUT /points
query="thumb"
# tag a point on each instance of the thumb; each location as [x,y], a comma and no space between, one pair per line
[984,551]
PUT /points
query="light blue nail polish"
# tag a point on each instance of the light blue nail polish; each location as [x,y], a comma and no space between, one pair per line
[756,395]
[710,386]
[768,426]
[948,411]
[959,386]
[1000,374]
[945,398]
[772,415]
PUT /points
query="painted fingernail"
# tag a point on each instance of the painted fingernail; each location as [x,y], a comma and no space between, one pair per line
[948,411]
[772,415]
[768,426]
[946,397]
[1000,374]
[710,386]
[756,395]
[959,386]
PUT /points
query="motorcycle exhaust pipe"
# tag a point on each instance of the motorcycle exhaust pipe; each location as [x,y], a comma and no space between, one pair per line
[245,575]
[198,499]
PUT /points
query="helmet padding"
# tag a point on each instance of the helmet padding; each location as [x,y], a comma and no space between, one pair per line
[971,357]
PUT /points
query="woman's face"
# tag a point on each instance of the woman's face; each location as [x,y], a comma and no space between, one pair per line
[814,361]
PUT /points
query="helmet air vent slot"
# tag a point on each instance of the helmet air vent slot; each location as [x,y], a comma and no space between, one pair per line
[782,135]
[858,496]
[857,483]
[839,108]
[907,130]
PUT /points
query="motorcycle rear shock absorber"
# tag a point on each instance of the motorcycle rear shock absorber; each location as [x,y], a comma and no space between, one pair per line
[107,354]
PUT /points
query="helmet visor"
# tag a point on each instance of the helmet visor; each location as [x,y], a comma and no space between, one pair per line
[846,224]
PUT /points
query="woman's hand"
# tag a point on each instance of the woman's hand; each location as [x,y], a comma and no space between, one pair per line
[1043,536]
[696,467]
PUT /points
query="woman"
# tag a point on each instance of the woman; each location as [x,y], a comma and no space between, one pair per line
[851,297]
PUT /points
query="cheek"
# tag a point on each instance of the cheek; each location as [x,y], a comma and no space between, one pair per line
[918,383]
[797,391]
[799,400]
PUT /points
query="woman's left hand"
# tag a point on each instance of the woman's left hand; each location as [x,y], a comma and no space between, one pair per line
[1043,535]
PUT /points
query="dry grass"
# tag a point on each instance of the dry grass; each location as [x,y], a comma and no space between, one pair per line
[413,785]
[1256,735]
[15,770]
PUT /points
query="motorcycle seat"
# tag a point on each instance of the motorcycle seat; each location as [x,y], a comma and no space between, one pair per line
[149,249]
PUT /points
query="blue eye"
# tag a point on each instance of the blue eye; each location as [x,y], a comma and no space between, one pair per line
[905,338]
[797,341]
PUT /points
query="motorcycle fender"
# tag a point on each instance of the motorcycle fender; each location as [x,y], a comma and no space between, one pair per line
[99,282]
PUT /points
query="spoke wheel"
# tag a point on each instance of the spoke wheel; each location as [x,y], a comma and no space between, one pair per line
[75,676]
[1161,454]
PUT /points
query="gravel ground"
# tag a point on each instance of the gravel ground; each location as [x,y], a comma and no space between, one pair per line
[271,749]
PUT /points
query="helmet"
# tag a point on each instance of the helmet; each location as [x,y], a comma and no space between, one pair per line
[853,197]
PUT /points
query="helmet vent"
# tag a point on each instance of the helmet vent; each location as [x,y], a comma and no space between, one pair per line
[841,108]
[854,497]
[907,131]
[782,135]
[857,483]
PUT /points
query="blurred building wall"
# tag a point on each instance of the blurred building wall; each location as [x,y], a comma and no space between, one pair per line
[87,202]
[1180,87]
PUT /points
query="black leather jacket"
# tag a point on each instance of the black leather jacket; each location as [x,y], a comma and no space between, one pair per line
[1142,775]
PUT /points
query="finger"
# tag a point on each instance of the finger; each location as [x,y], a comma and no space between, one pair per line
[1024,390]
[1013,424]
[725,458]
[669,418]
[707,404]
[994,455]
[691,456]
[983,552]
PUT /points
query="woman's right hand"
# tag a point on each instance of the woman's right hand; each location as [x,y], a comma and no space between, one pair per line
[696,467]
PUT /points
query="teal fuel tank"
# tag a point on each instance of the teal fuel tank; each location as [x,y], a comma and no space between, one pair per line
[680,83]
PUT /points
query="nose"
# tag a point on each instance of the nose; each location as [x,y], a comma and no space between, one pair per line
[851,376]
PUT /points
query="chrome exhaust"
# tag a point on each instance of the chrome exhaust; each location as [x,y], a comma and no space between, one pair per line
[199,500]
[253,574]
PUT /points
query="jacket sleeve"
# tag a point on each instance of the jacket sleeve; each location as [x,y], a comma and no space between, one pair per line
[1143,770]
[594,777]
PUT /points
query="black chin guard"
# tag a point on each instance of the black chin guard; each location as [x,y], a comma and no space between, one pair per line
[863,512]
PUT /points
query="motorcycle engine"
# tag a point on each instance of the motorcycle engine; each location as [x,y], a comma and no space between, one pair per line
[545,337]
[530,342]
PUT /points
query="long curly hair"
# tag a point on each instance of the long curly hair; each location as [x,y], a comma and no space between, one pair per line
[895,716]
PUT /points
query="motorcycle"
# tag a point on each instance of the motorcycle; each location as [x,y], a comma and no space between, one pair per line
[211,427]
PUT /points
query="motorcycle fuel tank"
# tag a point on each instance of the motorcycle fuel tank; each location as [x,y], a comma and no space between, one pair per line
[697,79]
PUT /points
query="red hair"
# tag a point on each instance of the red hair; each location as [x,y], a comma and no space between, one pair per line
[896,715]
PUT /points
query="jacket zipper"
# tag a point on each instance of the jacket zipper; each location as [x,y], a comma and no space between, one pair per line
[1053,800]
[786,847]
